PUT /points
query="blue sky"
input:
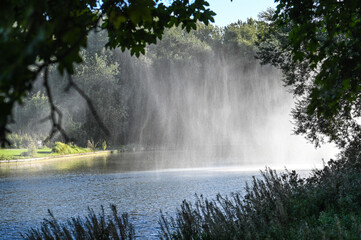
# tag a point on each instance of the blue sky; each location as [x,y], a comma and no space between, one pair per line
[229,12]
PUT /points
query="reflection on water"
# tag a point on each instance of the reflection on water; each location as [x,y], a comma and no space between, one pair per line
[124,162]
[68,187]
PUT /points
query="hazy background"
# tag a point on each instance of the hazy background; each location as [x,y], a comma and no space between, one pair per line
[202,93]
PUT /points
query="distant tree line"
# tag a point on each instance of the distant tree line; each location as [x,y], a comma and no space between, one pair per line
[117,82]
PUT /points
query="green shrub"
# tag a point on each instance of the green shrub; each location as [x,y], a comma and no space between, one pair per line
[280,206]
[32,150]
[4,157]
[18,140]
[91,227]
[104,145]
[63,148]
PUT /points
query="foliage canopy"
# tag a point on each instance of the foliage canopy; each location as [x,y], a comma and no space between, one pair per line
[35,34]
[317,44]
[122,87]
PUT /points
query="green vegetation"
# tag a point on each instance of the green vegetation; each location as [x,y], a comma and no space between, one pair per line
[63,148]
[115,83]
[104,145]
[30,129]
[36,35]
[19,140]
[9,154]
[91,227]
[325,205]
[32,152]
[315,43]
[317,46]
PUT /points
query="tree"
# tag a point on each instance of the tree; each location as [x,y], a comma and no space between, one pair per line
[98,79]
[317,45]
[29,116]
[136,97]
[241,36]
[35,34]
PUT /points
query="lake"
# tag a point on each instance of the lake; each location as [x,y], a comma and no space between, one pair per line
[140,183]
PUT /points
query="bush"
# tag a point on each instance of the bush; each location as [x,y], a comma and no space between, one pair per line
[324,206]
[4,157]
[32,150]
[18,140]
[104,145]
[63,148]
[91,227]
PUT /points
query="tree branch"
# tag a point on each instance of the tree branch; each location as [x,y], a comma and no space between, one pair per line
[3,132]
[55,114]
[89,102]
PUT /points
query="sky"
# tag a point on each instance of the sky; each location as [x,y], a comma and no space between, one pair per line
[229,12]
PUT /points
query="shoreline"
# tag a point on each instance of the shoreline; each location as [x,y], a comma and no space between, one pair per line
[86,154]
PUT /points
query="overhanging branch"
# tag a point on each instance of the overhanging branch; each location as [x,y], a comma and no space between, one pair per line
[55,113]
[89,102]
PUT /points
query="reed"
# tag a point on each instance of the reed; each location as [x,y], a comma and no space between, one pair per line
[93,226]
[325,205]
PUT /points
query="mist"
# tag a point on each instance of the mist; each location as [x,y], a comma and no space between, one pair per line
[219,109]
[201,97]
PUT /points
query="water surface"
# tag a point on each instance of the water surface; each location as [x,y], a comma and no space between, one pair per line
[138,183]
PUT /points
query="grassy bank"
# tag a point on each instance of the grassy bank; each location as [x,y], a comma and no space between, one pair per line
[58,149]
[10,154]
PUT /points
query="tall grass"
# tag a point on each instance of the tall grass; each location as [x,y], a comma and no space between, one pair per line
[91,227]
[325,205]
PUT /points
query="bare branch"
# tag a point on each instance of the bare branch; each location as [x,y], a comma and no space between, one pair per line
[89,103]
[47,118]
[3,132]
[55,114]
